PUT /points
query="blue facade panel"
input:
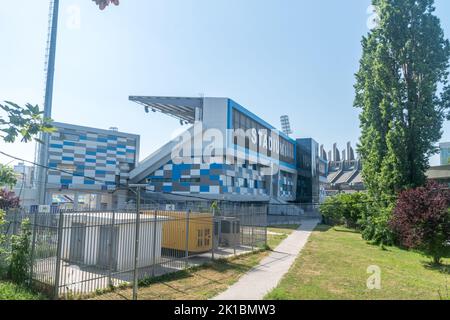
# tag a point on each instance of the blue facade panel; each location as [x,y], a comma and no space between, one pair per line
[92,153]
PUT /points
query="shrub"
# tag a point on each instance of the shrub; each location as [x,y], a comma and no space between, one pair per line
[360,211]
[19,257]
[421,220]
[8,200]
[375,226]
[11,291]
[329,212]
[2,244]
[345,208]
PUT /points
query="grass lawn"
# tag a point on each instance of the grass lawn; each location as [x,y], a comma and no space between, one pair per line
[334,265]
[204,282]
[10,291]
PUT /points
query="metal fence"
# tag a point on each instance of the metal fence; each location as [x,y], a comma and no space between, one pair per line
[273,220]
[79,253]
[282,214]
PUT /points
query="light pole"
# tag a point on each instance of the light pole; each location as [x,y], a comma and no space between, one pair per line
[45,137]
[42,148]
[138,188]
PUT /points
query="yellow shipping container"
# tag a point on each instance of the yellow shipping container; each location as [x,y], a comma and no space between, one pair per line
[174,231]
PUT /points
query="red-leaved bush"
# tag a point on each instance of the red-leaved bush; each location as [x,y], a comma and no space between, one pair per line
[8,200]
[421,220]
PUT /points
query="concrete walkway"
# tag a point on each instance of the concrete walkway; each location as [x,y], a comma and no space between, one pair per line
[259,281]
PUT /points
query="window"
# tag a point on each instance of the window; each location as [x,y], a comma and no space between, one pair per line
[200,238]
[207,237]
[87,202]
[70,137]
[105,200]
[160,180]
[262,184]
[64,201]
[247,123]
[235,119]
[190,180]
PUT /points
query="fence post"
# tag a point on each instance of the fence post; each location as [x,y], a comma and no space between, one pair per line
[136,245]
[33,250]
[267,224]
[213,233]
[187,238]
[253,226]
[14,230]
[234,230]
[58,255]
[110,248]
[155,221]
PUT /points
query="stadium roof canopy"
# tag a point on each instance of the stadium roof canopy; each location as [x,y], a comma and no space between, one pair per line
[183,109]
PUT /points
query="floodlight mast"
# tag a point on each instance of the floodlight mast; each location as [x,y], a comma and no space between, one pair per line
[286,125]
[42,157]
[42,148]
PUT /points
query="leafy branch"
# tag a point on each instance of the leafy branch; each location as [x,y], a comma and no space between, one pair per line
[25,122]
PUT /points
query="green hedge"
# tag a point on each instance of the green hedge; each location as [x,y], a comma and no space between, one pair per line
[348,209]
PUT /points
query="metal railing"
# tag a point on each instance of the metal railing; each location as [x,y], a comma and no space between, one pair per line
[74,254]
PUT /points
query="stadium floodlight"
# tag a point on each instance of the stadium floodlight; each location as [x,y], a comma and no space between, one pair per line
[50,58]
[286,125]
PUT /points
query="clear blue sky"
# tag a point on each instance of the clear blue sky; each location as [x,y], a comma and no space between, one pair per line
[275,57]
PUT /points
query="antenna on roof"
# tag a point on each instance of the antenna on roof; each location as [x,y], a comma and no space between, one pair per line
[286,125]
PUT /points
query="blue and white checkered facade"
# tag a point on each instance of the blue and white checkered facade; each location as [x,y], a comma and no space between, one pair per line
[82,158]
[212,179]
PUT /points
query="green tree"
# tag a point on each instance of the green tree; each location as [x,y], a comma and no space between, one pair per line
[8,177]
[24,122]
[403,92]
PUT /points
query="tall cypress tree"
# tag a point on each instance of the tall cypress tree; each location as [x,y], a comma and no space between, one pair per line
[403,92]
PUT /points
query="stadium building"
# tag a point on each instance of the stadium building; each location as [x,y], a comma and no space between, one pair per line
[312,167]
[226,153]
[444,149]
[88,167]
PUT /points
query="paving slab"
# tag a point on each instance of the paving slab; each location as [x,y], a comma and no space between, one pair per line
[259,281]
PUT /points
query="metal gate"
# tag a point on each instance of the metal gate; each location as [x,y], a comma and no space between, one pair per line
[77,243]
[108,248]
